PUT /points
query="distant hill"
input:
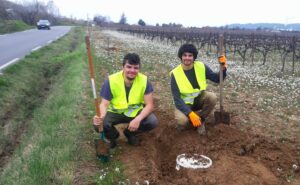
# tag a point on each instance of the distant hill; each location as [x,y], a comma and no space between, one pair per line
[271,26]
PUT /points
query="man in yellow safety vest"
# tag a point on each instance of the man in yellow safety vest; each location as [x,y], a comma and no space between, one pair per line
[126,98]
[188,85]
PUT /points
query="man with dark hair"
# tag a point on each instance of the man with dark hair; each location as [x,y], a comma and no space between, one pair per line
[188,85]
[126,98]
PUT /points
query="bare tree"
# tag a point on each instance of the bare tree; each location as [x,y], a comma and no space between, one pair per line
[5,9]
[29,11]
[3,13]
[101,20]
[123,19]
[52,9]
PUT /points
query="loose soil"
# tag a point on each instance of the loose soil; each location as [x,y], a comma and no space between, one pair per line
[238,158]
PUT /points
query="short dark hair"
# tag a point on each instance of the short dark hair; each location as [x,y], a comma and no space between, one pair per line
[190,48]
[131,58]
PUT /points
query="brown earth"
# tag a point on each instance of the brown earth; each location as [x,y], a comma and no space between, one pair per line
[238,158]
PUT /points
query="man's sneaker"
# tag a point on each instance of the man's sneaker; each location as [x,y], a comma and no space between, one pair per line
[113,142]
[201,130]
[132,139]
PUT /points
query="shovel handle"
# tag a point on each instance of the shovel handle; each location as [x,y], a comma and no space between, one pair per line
[221,52]
[92,75]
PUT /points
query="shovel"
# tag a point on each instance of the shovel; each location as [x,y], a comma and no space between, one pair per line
[102,148]
[221,116]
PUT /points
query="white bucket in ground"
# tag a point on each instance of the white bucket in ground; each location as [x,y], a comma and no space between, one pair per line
[193,161]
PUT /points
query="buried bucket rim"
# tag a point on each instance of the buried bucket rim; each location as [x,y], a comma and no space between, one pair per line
[192,161]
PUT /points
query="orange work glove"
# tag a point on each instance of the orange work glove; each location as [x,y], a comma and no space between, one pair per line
[222,60]
[195,119]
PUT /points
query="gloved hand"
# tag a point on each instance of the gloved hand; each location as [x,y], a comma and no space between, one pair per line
[195,119]
[222,60]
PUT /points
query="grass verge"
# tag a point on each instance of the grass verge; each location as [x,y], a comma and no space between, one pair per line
[47,107]
[8,26]
[46,92]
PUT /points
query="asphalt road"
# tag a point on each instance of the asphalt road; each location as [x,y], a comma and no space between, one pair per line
[15,46]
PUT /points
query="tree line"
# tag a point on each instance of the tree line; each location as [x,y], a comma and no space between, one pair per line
[104,20]
[31,11]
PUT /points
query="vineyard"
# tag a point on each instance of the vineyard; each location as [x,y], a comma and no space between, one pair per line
[247,44]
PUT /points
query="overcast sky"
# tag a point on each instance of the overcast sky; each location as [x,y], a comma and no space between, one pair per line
[186,12]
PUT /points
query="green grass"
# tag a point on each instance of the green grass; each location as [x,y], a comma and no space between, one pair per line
[52,133]
[24,86]
[110,173]
[49,95]
[8,26]
[46,153]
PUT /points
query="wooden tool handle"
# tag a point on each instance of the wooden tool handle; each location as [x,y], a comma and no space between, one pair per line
[92,75]
[221,52]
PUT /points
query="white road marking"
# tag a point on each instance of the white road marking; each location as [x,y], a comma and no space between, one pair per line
[9,63]
[49,41]
[36,48]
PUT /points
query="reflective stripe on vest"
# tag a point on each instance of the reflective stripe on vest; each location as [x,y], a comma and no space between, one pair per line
[187,92]
[119,103]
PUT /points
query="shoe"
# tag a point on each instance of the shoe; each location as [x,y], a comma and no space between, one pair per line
[201,130]
[113,141]
[132,139]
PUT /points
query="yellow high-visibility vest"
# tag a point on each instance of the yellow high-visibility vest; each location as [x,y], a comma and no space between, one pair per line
[187,92]
[119,103]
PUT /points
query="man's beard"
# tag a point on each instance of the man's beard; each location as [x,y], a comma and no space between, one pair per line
[130,79]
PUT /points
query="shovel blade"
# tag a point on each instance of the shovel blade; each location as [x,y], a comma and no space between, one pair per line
[102,150]
[222,117]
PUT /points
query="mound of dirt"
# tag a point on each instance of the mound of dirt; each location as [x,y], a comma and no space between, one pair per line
[238,158]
